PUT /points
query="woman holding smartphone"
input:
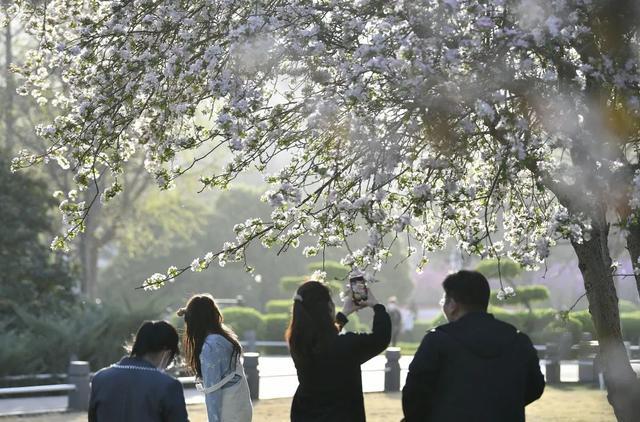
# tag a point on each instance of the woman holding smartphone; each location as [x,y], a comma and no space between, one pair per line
[327,362]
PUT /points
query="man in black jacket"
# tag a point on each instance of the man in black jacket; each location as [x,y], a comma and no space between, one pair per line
[475,368]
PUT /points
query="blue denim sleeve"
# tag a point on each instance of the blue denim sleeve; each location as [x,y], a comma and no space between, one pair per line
[214,361]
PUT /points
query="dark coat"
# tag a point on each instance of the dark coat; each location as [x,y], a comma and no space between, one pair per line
[330,387]
[133,390]
[474,369]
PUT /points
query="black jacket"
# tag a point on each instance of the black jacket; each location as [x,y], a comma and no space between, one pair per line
[474,369]
[331,384]
[133,390]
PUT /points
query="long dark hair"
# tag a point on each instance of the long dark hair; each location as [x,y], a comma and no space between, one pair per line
[312,326]
[202,317]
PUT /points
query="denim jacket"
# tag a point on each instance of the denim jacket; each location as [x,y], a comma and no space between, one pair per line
[216,363]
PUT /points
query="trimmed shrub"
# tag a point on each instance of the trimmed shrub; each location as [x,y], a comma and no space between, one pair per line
[585,319]
[630,322]
[274,326]
[628,306]
[279,306]
[289,284]
[524,296]
[509,269]
[242,319]
[334,269]
[558,326]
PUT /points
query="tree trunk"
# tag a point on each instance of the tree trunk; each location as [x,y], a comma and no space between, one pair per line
[595,264]
[90,246]
[89,261]
[10,89]
[633,245]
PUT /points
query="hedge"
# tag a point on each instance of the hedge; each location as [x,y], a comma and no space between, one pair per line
[585,319]
[279,306]
[630,322]
[242,319]
[274,326]
[524,295]
[555,328]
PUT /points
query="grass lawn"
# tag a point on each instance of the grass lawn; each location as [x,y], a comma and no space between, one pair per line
[558,404]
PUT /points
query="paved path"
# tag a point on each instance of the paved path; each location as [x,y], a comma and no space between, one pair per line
[277,380]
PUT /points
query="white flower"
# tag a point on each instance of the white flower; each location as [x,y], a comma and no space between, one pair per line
[401,222]
[422,191]
[554,25]
[485,22]
[319,275]
[484,110]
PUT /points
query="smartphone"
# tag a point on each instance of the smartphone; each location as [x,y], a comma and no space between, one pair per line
[359,290]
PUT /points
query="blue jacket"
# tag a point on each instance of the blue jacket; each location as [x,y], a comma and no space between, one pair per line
[133,390]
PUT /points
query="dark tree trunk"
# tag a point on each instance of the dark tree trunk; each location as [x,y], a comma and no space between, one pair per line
[595,264]
[633,245]
[89,260]
[90,246]
[10,89]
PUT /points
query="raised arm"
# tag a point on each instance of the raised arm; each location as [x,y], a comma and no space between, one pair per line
[364,346]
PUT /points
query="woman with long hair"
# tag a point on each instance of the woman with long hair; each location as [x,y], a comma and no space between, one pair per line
[327,362]
[212,351]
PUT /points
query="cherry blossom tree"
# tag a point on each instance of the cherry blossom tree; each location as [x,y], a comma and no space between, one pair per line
[505,124]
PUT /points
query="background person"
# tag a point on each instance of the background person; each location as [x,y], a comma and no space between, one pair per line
[328,363]
[475,368]
[213,353]
[396,319]
[135,389]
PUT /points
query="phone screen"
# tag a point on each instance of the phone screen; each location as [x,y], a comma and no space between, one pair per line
[359,291]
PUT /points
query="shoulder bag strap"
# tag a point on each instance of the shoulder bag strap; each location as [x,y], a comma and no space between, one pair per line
[217,386]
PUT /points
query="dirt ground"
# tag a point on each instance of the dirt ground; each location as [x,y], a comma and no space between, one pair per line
[558,404]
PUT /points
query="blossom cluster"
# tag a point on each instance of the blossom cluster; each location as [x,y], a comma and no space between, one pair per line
[430,119]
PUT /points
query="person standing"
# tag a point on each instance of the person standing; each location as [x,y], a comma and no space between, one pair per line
[328,363]
[213,353]
[136,389]
[396,319]
[475,368]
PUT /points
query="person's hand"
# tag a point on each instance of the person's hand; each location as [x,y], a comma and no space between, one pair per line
[371,300]
[349,306]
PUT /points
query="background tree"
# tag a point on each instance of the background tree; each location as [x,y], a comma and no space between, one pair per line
[33,277]
[19,117]
[506,124]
